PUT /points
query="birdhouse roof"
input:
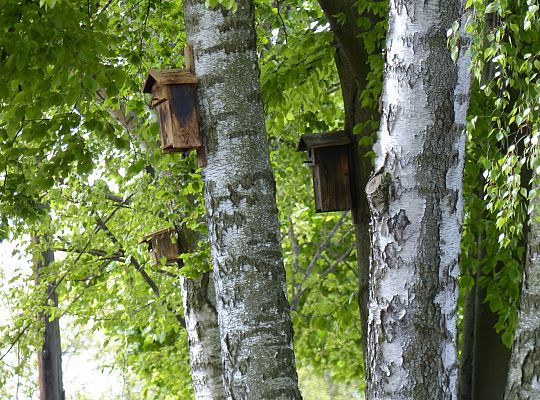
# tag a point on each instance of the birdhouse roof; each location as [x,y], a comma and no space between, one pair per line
[327,139]
[167,77]
[148,238]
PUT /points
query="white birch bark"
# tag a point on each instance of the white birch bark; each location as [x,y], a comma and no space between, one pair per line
[199,298]
[524,375]
[416,204]
[253,311]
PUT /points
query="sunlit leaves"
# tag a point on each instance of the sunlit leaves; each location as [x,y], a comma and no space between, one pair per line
[503,145]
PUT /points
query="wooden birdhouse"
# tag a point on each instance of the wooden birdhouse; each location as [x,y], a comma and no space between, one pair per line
[174,96]
[163,244]
[329,158]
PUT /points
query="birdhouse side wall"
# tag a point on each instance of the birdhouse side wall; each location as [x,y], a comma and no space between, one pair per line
[163,111]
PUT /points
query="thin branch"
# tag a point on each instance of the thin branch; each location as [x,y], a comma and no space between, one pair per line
[282,21]
[296,299]
[323,247]
[167,273]
[140,269]
[105,7]
[85,248]
[111,236]
[92,252]
[296,253]
[112,197]
[14,341]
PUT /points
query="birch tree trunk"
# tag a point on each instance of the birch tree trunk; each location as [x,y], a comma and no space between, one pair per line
[199,298]
[524,375]
[253,311]
[416,206]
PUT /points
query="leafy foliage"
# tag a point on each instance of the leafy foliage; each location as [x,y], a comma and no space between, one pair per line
[76,134]
[502,151]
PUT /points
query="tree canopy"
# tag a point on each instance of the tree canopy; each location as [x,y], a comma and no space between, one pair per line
[81,165]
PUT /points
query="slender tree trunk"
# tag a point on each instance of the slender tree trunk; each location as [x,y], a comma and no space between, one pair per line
[199,301]
[491,356]
[524,375]
[50,356]
[416,205]
[199,298]
[253,311]
[484,357]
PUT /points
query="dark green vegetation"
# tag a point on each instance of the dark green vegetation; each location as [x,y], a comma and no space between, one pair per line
[76,133]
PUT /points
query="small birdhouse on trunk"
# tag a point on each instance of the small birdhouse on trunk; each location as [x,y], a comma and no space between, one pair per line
[163,244]
[174,96]
[329,158]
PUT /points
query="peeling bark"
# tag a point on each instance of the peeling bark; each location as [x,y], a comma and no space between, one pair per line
[253,311]
[524,375]
[416,206]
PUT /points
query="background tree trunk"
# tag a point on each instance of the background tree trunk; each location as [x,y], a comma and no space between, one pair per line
[253,311]
[353,70]
[199,301]
[524,375]
[416,205]
[490,368]
[50,356]
[484,357]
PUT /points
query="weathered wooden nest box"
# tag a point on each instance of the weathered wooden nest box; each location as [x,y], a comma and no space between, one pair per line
[329,158]
[161,244]
[174,96]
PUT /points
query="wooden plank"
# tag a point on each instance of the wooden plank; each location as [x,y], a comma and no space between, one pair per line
[184,117]
[325,139]
[168,77]
[188,59]
[148,237]
[333,180]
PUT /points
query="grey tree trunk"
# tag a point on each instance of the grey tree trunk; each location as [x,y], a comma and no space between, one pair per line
[253,311]
[524,375]
[199,298]
[50,356]
[416,206]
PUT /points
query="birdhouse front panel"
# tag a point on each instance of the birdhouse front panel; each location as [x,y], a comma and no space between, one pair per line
[185,122]
[331,180]
[329,157]
[174,96]
[162,244]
